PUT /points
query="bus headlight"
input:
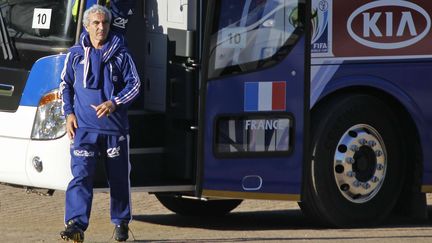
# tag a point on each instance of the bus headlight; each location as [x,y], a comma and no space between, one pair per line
[49,122]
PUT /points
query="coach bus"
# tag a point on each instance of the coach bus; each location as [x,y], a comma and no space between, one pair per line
[323,102]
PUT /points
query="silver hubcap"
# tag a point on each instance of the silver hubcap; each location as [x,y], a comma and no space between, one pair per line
[360,163]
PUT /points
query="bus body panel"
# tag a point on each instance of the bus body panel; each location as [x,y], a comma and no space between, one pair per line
[19,158]
[12,167]
[18,124]
[393,79]
[44,77]
[272,174]
[18,149]
[379,44]
[56,172]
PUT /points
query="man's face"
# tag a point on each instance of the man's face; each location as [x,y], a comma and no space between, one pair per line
[98,28]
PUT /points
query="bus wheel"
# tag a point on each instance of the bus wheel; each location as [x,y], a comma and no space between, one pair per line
[355,174]
[194,207]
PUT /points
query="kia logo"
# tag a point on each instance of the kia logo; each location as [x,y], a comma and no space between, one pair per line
[405,26]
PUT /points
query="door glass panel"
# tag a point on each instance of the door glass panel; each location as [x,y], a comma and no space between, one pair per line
[248,33]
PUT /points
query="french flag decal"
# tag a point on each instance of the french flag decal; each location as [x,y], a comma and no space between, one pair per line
[265,96]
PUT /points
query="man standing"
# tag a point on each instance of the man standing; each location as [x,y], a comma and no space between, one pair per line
[99,82]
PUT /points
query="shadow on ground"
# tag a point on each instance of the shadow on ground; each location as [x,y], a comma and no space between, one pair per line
[257,220]
[266,220]
[291,219]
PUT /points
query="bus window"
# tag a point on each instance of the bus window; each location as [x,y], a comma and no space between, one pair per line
[36,26]
[250,135]
[248,34]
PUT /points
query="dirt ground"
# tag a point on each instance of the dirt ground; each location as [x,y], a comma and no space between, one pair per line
[33,218]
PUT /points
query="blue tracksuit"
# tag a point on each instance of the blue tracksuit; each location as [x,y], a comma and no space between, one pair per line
[90,77]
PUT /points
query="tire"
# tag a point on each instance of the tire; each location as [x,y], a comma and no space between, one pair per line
[355,175]
[194,207]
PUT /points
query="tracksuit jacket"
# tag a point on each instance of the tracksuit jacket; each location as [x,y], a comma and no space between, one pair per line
[99,75]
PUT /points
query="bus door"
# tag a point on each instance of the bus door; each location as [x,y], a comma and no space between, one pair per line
[162,37]
[255,97]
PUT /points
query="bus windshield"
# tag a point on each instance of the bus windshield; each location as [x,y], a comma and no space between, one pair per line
[247,34]
[38,25]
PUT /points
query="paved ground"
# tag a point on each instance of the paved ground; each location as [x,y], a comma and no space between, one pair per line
[33,218]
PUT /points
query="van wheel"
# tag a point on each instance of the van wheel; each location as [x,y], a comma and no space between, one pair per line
[355,174]
[194,207]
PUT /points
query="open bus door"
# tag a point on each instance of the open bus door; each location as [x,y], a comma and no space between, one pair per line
[254,99]
[163,40]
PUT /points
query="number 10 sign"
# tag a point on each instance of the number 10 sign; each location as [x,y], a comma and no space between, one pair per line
[233,37]
[41,18]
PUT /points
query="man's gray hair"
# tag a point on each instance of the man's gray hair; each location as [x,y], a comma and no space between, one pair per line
[96,9]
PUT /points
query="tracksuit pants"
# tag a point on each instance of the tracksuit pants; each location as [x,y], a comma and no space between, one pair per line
[87,149]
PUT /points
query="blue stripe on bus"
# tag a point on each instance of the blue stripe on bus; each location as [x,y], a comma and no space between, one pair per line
[44,77]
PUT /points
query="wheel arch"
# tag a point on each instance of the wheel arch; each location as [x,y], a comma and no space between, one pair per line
[410,118]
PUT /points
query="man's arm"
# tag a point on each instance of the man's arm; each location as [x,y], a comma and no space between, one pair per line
[67,95]
[133,83]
